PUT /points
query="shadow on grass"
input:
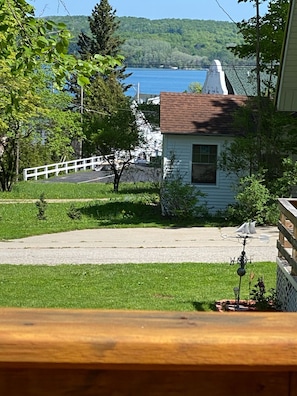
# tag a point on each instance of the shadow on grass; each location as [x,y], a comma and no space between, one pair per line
[135,213]
[202,306]
[138,189]
[144,209]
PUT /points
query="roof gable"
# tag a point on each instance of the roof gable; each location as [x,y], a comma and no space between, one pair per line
[243,80]
[185,113]
[235,80]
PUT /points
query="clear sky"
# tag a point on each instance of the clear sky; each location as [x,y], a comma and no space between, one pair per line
[220,10]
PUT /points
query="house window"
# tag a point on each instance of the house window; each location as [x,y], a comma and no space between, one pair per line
[204,163]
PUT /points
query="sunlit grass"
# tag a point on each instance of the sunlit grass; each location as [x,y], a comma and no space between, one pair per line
[136,205]
[181,287]
[33,190]
[172,287]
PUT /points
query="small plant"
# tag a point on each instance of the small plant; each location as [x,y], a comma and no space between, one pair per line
[179,199]
[41,206]
[264,301]
[251,278]
[252,198]
[127,214]
[74,213]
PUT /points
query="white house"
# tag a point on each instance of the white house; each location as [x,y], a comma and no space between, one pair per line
[195,128]
[286,95]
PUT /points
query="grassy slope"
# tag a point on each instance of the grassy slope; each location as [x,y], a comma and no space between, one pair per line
[136,205]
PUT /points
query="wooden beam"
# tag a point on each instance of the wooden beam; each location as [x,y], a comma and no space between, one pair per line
[131,353]
[143,383]
[288,235]
[150,340]
[288,209]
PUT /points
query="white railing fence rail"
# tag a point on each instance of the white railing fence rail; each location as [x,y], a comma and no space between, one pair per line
[63,167]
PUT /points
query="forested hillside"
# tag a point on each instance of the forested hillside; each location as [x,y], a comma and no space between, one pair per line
[183,43]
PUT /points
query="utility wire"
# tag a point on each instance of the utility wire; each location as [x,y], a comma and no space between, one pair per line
[64,6]
[225,12]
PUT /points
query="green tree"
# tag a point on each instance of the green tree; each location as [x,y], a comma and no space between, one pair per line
[104,39]
[256,150]
[26,41]
[114,137]
[264,34]
[151,113]
[253,199]
[267,136]
[58,127]
[41,130]
[15,117]
[194,87]
[26,45]
[104,96]
[109,122]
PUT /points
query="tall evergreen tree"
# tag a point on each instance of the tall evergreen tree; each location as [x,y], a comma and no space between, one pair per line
[104,39]
[103,26]
[106,89]
[109,122]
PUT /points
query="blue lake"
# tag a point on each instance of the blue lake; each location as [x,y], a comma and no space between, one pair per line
[154,81]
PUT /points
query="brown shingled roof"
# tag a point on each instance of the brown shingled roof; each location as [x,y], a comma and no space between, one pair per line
[186,113]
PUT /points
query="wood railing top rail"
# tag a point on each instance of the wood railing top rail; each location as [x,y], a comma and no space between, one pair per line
[288,232]
[287,207]
[148,340]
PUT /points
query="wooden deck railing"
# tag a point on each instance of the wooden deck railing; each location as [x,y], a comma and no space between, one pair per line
[287,243]
[83,352]
[46,352]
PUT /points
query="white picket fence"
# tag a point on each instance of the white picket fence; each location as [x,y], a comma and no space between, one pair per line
[62,167]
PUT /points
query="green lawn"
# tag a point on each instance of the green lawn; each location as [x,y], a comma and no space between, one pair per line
[173,287]
[33,190]
[136,205]
[62,190]
[180,287]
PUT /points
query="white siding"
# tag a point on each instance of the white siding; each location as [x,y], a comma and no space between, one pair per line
[219,195]
[286,99]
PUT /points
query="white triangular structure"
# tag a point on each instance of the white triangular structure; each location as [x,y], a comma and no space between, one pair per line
[252,227]
[215,82]
[247,228]
[242,229]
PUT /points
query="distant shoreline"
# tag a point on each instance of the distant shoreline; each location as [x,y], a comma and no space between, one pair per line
[152,81]
[167,68]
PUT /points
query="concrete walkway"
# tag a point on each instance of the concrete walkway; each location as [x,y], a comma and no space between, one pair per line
[139,245]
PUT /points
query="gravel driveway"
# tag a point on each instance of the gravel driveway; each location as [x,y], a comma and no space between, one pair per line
[139,245]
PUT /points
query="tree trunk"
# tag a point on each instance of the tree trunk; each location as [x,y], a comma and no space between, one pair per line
[116,181]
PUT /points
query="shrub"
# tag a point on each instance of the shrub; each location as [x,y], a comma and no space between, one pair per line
[41,206]
[181,200]
[252,200]
[264,301]
[282,186]
[74,213]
